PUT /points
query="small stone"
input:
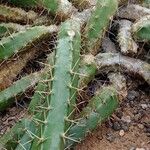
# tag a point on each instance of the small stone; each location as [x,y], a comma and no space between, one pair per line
[132,95]
[110,137]
[121,133]
[132,148]
[140,149]
[126,119]
[144,106]
[116,126]
[119,114]
[141,126]
[125,126]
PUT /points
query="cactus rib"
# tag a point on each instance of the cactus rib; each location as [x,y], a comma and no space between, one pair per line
[126,42]
[100,107]
[23,40]
[97,24]
[141,29]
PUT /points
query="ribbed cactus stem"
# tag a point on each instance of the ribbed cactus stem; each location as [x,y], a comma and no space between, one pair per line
[125,40]
[43,86]
[62,90]
[146,3]
[23,40]
[98,23]
[16,15]
[8,28]
[88,70]
[60,8]
[141,29]
[107,62]
[129,12]
[10,139]
[16,88]
[100,107]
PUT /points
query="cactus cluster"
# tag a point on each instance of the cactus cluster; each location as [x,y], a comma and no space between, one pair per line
[71,63]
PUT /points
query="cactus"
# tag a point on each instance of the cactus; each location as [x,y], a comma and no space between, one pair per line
[146,3]
[43,86]
[125,40]
[100,107]
[68,48]
[23,40]
[18,87]
[103,104]
[108,62]
[10,139]
[11,68]
[16,15]
[8,28]
[141,29]
[61,9]
[88,70]
[129,12]
[97,24]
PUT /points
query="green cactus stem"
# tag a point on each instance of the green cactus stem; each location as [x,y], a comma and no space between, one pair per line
[43,87]
[98,23]
[18,87]
[67,52]
[88,70]
[8,28]
[100,107]
[107,62]
[129,12]
[23,40]
[141,29]
[38,102]
[125,40]
[62,9]
[16,15]
[11,68]
[146,3]
[10,139]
